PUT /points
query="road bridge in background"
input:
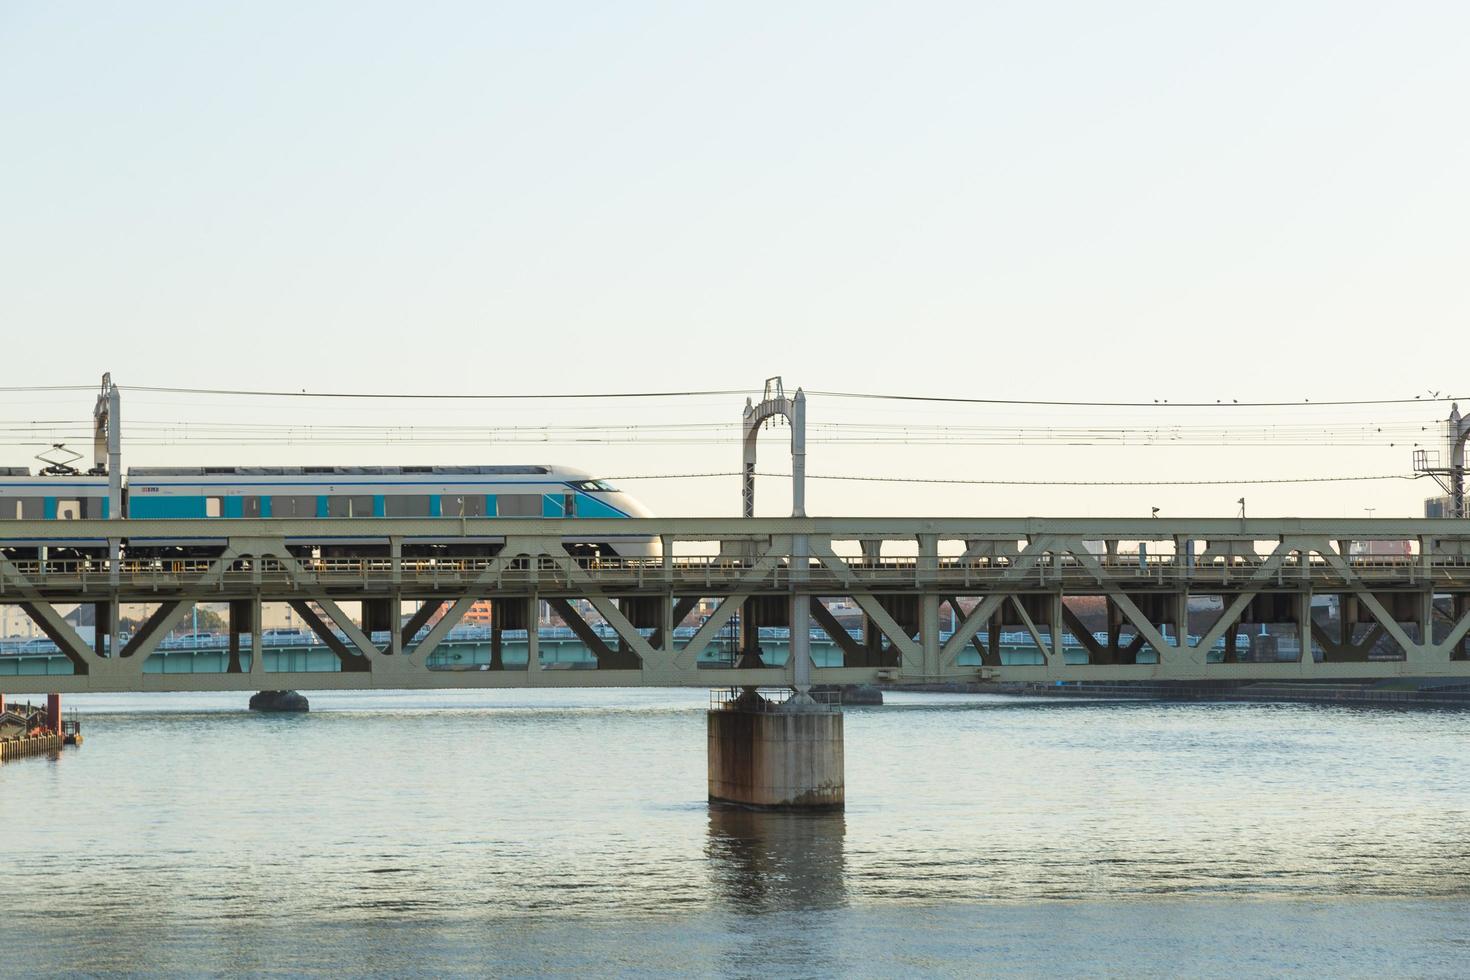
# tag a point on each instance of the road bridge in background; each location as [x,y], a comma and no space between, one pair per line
[1152,582]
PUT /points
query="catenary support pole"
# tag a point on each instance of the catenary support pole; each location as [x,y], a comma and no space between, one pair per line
[762,753]
[774,404]
[1459,434]
[107,459]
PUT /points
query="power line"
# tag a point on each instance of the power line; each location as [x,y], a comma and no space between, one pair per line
[1029,483]
[1116,483]
[696,393]
[1156,403]
[170,433]
[436,396]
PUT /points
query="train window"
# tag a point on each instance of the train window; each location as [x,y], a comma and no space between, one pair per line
[602,485]
[68,510]
[569,505]
[214,506]
[462,505]
[92,507]
[518,504]
[9,508]
[32,508]
[350,505]
[293,506]
[406,505]
[249,506]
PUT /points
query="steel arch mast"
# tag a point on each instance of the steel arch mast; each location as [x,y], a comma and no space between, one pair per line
[774,403]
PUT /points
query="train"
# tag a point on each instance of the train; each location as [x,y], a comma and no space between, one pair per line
[286,492]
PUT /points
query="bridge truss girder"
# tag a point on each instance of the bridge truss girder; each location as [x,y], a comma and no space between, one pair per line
[1016,572]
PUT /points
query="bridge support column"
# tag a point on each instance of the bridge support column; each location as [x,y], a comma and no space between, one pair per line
[395,628]
[1460,607]
[257,639]
[379,616]
[533,632]
[104,616]
[241,622]
[785,756]
[1304,629]
[929,635]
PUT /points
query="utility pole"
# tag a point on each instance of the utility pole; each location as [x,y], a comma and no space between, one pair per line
[107,443]
[1459,430]
[107,459]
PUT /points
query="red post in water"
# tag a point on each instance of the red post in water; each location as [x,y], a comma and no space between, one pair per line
[2,704]
[53,712]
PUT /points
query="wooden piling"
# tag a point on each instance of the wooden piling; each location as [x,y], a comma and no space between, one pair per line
[21,746]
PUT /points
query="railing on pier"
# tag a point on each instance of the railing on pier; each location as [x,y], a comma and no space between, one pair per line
[773,699]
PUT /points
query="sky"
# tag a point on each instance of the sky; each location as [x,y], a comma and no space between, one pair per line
[1133,201]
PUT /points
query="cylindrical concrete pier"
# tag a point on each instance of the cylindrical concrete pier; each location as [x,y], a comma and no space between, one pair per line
[785,756]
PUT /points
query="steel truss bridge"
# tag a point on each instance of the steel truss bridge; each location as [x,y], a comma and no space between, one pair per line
[900,572]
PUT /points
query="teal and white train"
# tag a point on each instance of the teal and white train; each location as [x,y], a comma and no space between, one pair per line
[285,492]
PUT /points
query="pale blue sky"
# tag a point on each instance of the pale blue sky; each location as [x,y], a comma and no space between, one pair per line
[1011,199]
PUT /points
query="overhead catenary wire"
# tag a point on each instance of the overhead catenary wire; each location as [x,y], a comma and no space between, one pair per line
[168,433]
[437,396]
[1026,483]
[1156,403]
[726,392]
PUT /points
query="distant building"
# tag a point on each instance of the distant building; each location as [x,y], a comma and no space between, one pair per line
[1437,507]
[1383,549]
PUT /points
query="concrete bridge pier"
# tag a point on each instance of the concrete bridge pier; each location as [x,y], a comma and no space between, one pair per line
[776,755]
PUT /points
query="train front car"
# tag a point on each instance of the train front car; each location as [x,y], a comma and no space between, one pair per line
[512,492]
[52,497]
[596,498]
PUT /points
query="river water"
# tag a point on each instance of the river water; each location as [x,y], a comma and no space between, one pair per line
[525,832]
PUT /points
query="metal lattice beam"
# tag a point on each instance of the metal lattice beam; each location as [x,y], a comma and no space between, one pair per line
[1017,569]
